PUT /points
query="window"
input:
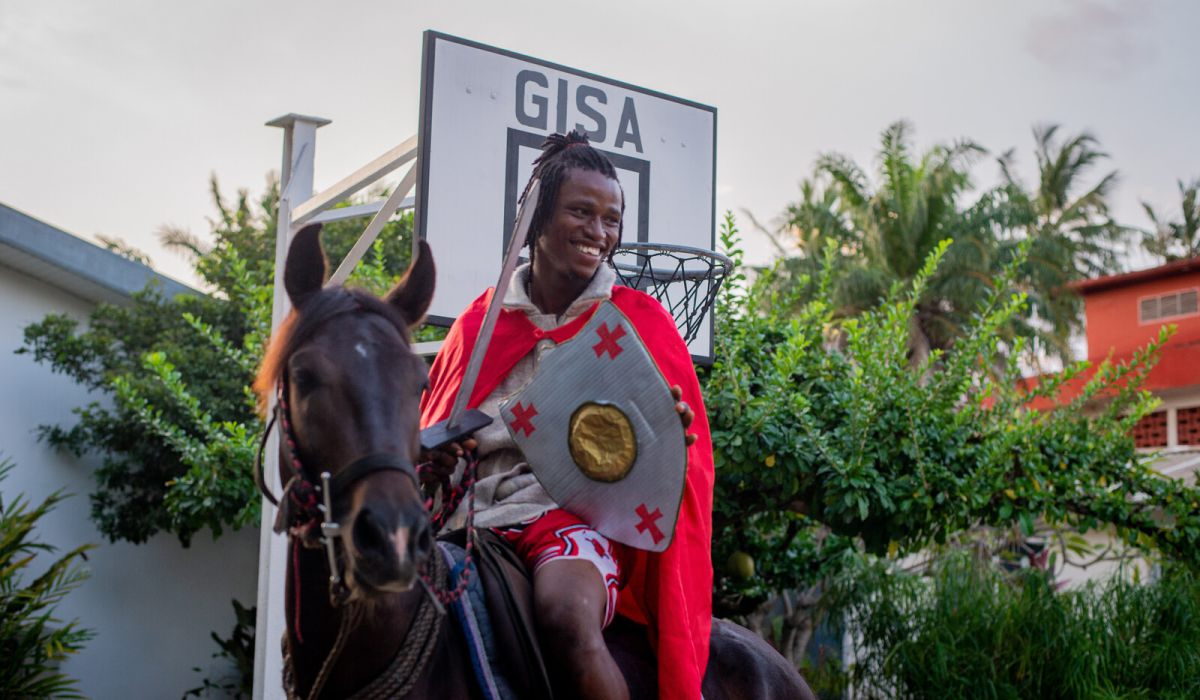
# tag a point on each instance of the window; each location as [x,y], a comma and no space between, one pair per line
[1183,303]
[1187,423]
[1151,430]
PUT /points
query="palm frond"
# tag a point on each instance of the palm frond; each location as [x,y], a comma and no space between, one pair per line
[181,240]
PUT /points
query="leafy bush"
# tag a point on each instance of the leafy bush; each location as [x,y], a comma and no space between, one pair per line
[823,423]
[178,433]
[971,630]
[238,649]
[33,642]
[829,442]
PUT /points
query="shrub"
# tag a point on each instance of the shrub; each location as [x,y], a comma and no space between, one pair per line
[33,642]
[972,630]
[238,650]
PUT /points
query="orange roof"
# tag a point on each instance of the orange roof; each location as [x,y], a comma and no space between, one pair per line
[1125,279]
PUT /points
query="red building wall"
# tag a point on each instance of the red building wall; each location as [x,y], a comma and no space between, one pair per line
[1113,323]
[1115,328]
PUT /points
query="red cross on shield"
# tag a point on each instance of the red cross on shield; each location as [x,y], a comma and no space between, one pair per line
[646,522]
[608,341]
[522,415]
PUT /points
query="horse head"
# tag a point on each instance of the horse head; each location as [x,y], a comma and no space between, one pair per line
[349,386]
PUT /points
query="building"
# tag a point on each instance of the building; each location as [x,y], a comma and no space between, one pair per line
[152,606]
[1124,313]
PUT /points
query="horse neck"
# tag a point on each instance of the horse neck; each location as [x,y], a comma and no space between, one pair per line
[313,624]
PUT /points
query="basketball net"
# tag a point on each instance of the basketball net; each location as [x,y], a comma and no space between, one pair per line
[684,279]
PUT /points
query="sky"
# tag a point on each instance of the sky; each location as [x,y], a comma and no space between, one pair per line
[115,114]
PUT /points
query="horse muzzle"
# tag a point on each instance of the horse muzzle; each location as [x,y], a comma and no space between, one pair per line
[388,548]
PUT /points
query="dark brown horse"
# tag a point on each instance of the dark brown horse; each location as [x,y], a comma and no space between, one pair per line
[348,388]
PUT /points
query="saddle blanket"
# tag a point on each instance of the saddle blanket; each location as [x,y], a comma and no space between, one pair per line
[471,612]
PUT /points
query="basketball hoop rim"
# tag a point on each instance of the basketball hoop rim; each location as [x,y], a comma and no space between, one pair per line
[726,263]
[695,274]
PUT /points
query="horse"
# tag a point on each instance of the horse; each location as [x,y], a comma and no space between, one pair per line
[363,616]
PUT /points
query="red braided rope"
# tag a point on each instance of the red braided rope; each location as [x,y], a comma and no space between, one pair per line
[466,486]
[296,586]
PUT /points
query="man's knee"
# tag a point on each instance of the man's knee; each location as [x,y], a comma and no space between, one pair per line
[570,606]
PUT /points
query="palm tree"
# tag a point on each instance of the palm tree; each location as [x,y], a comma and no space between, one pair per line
[886,231]
[1176,240]
[804,230]
[814,220]
[1071,235]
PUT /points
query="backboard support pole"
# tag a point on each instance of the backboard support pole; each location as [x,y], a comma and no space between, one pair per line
[295,185]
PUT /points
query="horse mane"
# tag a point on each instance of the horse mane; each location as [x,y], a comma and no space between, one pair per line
[300,325]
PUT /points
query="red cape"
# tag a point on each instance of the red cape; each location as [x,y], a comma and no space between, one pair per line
[671,592]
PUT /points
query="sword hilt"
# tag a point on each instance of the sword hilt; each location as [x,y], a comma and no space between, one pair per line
[443,433]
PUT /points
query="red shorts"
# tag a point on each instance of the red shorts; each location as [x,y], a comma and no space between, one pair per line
[557,534]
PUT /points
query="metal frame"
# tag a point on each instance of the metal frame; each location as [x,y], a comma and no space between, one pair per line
[299,206]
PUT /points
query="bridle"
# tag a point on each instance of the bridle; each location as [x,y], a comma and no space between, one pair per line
[307,502]
[305,508]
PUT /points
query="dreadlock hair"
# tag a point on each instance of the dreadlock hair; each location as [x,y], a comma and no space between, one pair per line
[562,153]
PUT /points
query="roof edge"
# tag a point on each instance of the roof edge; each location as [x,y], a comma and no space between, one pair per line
[1124,279]
[74,256]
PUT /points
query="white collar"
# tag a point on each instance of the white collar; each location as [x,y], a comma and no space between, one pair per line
[598,288]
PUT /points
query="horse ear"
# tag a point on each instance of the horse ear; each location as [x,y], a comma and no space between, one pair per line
[414,292]
[304,272]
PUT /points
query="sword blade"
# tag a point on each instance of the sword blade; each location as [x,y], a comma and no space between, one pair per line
[520,230]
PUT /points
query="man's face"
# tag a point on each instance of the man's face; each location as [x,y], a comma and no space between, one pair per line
[584,227]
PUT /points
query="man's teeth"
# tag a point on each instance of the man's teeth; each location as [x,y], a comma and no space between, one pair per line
[587,249]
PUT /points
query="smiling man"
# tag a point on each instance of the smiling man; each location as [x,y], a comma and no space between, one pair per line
[582,579]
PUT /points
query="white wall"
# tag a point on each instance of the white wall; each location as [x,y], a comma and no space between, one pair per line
[152,606]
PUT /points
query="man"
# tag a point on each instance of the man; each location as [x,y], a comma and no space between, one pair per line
[578,573]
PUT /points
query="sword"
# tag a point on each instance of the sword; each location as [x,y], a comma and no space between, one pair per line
[462,422]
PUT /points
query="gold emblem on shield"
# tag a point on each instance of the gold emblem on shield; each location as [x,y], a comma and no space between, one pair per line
[602,442]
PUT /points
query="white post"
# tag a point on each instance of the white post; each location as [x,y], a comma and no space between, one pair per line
[295,186]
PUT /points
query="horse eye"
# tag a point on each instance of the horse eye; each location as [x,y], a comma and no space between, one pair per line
[305,380]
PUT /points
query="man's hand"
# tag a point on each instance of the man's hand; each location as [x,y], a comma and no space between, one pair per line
[444,459]
[686,414]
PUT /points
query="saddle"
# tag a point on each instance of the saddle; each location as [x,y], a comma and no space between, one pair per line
[507,633]
[508,627]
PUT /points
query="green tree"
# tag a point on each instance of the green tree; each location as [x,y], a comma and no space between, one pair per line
[885,229]
[33,642]
[177,433]
[885,226]
[1176,240]
[1066,221]
[824,449]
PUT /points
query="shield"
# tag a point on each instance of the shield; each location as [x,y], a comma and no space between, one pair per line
[598,426]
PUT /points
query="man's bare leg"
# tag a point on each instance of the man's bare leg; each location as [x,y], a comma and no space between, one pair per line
[569,599]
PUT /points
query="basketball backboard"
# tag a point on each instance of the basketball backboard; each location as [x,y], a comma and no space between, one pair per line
[484,114]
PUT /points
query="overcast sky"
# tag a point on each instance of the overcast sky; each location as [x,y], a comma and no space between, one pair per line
[114,114]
